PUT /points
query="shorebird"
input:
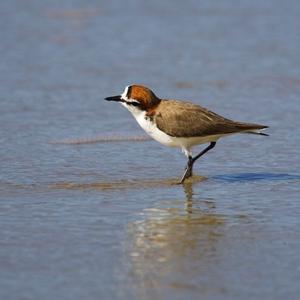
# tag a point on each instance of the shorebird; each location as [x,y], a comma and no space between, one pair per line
[180,124]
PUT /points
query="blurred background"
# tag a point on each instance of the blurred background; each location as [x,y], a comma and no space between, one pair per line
[102,220]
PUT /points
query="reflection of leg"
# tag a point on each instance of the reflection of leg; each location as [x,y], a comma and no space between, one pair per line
[188,191]
[189,168]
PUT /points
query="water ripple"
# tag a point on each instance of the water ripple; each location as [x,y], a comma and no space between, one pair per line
[240,177]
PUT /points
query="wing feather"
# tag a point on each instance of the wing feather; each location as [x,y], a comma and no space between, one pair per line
[173,116]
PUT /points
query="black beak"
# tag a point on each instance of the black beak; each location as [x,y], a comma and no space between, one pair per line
[114,98]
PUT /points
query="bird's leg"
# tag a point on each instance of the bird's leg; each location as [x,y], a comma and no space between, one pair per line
[189,168]
[210,146]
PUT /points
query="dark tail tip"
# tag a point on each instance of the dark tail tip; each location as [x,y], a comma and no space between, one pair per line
[262,133]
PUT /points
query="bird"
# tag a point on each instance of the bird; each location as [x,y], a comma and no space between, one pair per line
[181,124]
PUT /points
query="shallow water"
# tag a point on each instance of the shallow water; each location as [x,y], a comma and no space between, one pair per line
[85,214]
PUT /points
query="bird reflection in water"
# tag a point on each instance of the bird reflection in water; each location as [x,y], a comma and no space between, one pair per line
[170,246]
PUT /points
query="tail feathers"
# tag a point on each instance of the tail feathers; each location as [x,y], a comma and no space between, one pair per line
[257,133]
[253,128]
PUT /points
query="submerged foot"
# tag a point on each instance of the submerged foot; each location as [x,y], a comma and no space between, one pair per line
[188,172]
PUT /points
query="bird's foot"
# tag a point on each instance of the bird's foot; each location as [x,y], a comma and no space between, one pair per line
[187,173]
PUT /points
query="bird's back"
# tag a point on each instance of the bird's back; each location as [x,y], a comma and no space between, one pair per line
[184,119]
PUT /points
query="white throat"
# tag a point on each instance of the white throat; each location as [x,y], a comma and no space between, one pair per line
[136,112]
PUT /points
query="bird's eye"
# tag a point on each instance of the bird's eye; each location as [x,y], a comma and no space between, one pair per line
[135,103]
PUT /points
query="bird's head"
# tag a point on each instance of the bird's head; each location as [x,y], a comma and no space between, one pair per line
[136,98]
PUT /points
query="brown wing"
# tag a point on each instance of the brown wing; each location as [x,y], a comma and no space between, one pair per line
[182,119]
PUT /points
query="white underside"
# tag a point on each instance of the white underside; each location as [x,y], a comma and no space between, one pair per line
[186,143]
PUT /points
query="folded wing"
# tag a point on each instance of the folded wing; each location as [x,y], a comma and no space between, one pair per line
[182,119]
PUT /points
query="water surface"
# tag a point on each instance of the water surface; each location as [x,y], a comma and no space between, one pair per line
[86,215]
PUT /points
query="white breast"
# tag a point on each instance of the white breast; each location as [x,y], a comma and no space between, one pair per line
[151,128]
